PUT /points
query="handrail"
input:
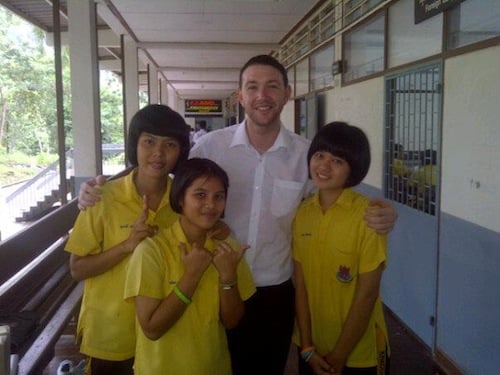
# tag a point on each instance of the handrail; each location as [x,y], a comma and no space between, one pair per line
[32,181]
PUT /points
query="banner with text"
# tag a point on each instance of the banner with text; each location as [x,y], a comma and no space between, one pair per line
[425,9]
[194,107]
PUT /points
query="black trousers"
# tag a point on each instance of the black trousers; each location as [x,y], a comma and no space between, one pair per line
[261,342]
[104,367]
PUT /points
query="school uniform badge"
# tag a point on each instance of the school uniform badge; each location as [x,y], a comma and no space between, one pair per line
[344,274]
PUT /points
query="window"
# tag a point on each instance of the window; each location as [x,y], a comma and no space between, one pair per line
[408,42]
[302,77]
[354,9]
[321,68]
[291,80]
[364,49]
[473,21]
[412,128]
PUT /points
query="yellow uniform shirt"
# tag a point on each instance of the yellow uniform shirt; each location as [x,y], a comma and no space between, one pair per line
[106,324]
[333,249]
[196,344]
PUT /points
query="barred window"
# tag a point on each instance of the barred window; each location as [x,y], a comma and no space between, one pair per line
[413,106]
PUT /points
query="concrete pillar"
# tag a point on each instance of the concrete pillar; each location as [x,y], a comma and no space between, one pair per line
[84,89]
[164,91]
[130,69]
[153,85]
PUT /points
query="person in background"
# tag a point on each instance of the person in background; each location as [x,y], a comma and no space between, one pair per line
[104,236]
[202,130]
[187,287]
[267,167]
[338,262]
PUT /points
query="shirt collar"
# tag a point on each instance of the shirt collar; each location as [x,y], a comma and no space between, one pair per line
[240,138]
[345,199]
[129,191]
[210,243]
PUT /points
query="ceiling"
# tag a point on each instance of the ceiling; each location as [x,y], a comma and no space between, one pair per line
[198,46]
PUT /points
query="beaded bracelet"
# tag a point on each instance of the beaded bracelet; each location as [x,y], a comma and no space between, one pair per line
[181,295]
[306,353]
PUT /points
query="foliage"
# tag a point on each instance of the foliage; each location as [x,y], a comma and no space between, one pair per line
[28,111]
[17,166]
[111,109]
[27,94]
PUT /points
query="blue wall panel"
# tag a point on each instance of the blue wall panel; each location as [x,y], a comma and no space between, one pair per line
[469,296]
[409,282]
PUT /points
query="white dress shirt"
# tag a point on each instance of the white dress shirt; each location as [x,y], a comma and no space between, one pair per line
[264,192]
[197,135]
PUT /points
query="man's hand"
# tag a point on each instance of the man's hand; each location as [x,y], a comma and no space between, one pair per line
[381,216]
[89,192]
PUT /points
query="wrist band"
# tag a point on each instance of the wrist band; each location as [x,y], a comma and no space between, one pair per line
[181,295]
[306,353]
[228,286]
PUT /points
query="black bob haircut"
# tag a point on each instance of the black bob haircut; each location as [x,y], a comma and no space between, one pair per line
[265,60]
[347,142]
[188,172]
[158,119]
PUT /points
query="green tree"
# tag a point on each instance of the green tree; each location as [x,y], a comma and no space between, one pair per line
[111,108]
[28,113]
[27,88]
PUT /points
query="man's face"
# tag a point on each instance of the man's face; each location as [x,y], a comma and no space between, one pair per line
[263,95]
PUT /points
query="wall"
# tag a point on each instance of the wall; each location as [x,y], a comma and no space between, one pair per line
[471,133]
[362,105]
[451,273]
[469,278]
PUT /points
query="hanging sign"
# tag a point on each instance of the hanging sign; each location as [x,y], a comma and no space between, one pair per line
[202,106]
[425,9]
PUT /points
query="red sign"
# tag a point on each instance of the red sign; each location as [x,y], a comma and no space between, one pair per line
[202,106]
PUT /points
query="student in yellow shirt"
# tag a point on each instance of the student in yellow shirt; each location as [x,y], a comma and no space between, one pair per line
[186,286]
[339,262]
[105,235]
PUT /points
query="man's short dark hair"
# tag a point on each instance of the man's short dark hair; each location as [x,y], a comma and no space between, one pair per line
[190,171]
[347,142]
[158,119]
[265,60]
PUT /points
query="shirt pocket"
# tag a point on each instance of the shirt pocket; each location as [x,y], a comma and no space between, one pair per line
[285,197]
[345,266]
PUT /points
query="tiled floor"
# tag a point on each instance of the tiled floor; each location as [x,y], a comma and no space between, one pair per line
[408,355]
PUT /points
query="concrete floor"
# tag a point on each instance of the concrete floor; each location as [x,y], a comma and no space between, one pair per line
[408,355]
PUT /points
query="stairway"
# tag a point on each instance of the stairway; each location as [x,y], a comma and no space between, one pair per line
[42,208]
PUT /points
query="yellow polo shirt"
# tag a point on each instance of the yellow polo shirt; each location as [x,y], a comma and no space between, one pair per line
[106,324]
[196,344]
[333,249]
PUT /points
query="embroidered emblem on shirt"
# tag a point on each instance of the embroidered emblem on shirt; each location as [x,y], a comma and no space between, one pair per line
[344,274]
[306,234]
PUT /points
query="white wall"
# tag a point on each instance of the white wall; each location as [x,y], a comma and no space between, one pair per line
[362,105]
[288,115]
[471,137]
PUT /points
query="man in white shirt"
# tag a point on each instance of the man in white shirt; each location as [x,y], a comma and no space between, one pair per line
[268,174]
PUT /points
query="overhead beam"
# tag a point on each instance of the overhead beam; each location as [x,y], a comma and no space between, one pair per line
[208,46]
[181,69]
[201,81]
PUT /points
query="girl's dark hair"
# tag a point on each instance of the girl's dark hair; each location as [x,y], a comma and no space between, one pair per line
[189,171]
[347,142]
[158,119]
[265,60]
